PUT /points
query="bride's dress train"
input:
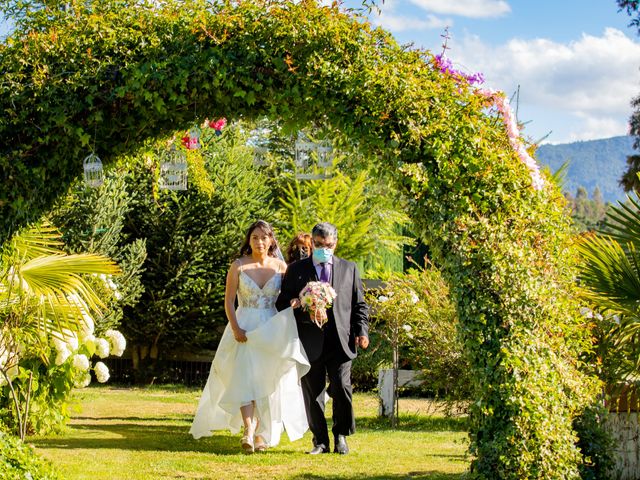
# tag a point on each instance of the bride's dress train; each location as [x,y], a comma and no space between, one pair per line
[266,369]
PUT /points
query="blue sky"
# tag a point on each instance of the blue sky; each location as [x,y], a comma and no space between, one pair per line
[576,61]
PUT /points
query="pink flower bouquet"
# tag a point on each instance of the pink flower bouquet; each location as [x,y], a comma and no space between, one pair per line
[315,298]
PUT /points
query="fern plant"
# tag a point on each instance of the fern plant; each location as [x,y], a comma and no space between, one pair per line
[367,223]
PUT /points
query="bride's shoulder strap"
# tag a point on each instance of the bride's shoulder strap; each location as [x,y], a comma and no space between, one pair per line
[282,267]
[239,264]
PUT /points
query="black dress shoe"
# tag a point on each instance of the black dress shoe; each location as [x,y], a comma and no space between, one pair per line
[341,446]
[318,449]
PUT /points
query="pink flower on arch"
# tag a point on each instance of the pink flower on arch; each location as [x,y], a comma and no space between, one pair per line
[501,103]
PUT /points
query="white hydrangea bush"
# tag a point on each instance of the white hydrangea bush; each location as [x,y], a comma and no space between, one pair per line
[74,351]
[44,368]
[117,342]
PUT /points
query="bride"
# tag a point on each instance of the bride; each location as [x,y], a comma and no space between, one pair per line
[254,379]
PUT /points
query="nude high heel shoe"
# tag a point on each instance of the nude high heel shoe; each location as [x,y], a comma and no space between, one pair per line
[259,445]
[247,443]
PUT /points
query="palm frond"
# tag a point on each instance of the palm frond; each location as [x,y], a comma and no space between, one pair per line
[627,331]
[60,275]
[46,290]
[36,241]
[58,314]
[621,349]
[623,222]
[611,274]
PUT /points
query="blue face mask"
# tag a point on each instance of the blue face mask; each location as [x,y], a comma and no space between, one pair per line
[322,255]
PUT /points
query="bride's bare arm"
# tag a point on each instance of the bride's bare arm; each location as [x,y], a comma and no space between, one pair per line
[230,291]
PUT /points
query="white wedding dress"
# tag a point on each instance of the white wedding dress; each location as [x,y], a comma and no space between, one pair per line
[266,368]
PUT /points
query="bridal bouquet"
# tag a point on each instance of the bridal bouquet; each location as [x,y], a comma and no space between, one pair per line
[315,298]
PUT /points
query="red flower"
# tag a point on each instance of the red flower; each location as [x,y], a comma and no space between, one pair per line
[218,124]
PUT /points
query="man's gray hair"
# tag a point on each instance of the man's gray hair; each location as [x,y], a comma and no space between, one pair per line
[325,230]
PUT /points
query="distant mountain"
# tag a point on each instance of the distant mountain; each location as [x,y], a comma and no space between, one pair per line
[591,163]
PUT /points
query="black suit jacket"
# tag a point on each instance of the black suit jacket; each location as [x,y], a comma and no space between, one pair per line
[349,310]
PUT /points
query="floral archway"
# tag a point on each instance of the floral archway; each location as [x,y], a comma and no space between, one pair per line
[79,76]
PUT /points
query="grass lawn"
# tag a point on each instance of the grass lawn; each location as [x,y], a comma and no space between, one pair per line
[143,433]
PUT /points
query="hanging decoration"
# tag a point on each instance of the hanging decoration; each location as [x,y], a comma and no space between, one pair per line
[510,122]
[325,155]
[173,170]
[303,153]
[312,156]
[191,141]
[93,171]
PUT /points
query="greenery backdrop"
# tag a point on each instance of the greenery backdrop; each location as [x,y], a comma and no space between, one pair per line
[79,76]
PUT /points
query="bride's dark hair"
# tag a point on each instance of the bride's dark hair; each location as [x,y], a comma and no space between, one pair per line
[266,228]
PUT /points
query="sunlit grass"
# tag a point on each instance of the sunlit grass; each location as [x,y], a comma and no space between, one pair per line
[143,434]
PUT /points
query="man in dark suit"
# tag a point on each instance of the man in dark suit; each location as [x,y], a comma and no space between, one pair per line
[331,348]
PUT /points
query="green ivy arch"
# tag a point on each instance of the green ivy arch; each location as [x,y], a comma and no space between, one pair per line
[120,73]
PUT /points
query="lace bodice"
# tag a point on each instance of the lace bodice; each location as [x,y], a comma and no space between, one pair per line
[252,296]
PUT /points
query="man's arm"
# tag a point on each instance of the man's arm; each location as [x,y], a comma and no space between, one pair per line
[287,291]
[359,311]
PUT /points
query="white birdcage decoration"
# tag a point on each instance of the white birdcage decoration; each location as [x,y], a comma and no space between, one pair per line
[93,171]
[310,157]
[260,155]
[304,149]
[173,171]
[325,155]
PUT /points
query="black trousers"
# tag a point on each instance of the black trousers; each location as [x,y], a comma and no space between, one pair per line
[333,363]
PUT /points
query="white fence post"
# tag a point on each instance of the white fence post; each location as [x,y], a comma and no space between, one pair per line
[385,393]
[386,406]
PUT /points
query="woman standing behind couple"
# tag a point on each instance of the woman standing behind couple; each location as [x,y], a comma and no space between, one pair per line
[254,383]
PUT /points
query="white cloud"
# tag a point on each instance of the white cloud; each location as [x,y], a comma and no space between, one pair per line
[465,8]
[399,23]
[595,127]
[592,79]
[390,20]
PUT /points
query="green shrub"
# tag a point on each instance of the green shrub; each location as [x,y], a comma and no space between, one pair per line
[596,444]
[48,389]
[364,370]
[92,220]
[366,217]
[18,461]
[48,303]
[44,385]
[414,312]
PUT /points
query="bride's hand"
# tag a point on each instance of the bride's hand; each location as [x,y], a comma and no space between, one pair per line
[240,335]
[295,303]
